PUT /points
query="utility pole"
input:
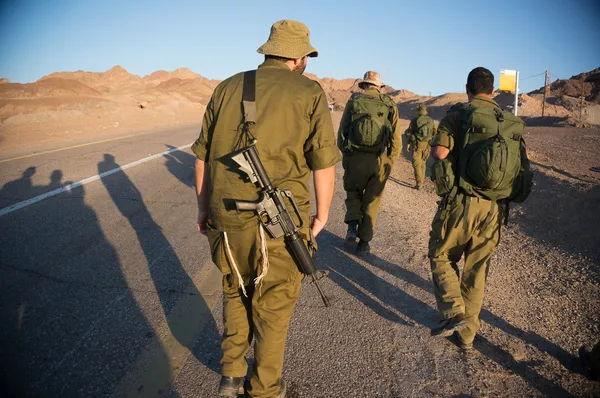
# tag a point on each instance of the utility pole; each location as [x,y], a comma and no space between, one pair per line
[582,100]
[546,89]
[516,93]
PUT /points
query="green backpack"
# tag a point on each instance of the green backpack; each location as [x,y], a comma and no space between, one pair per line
[421,128]
[493,161]
[370,126]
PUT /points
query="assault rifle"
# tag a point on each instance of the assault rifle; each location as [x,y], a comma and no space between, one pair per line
[274,214]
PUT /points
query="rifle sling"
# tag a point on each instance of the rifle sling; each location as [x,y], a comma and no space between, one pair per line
[249,96]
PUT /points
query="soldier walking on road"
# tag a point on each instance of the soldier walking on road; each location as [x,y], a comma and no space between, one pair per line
[370,139]
[294,136]
[421,131]
[481,165]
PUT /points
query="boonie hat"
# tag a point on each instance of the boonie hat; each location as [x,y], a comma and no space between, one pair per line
[288,39]
[372,78]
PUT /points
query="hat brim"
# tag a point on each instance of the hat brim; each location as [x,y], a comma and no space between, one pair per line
[377,84]
[285,50]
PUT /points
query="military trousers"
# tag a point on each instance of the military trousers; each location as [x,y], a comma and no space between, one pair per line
[420,154]
[266,311]
[470,227]
[365,175]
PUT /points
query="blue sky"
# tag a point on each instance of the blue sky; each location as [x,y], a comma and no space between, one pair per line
[422,46]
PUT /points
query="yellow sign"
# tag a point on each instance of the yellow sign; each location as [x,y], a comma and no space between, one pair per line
[508,80]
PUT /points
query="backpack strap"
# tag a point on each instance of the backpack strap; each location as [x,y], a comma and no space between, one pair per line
[387,139]
[463,137]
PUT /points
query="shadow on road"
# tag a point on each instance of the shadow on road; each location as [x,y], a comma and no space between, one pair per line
[182,165]
[347,272]
[70,323]
[172,283]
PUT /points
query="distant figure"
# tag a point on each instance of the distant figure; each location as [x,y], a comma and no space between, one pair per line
[481,164]
[370,139]
[420,133]
[294,137]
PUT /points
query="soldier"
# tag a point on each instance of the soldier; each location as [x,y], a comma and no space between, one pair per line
[370,139]
[474,194]
[294,133]
[420,133]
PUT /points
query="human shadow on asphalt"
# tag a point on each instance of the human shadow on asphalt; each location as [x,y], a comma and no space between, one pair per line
[182,165]
[175,288]
[71,325]
[22,188]
[346,272]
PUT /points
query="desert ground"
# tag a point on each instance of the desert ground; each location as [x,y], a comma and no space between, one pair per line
[108,290]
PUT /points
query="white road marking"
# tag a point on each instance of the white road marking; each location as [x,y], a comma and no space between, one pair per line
[69,187]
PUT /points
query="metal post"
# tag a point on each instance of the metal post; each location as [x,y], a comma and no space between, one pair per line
[546,82]
[516,93]
[582,101]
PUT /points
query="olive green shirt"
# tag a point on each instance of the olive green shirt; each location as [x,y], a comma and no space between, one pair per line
[294,135]
[451,123]
[396,139]
[412,128]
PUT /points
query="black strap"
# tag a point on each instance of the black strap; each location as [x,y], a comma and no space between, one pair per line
[249,96]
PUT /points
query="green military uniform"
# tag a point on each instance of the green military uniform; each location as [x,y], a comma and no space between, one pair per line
[365,173]
[295,136]
[464,225]
[420,146]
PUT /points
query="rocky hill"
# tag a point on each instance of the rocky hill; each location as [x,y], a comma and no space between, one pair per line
[572,87]
[74,103]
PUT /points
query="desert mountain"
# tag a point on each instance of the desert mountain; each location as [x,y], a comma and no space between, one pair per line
[74,103]
[116,99]
[114,79]
[162,75]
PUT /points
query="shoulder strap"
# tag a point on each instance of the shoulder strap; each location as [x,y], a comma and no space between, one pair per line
[249,96]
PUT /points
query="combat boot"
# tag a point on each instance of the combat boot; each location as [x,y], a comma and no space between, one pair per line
[460,343]
[449,326]
[363,247]
[351,234]
[231,386]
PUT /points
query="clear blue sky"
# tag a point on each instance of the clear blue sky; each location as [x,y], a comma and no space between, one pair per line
[423,46]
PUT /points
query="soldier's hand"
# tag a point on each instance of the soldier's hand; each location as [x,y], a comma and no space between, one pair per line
[202,220]
[317,225]
[408,148]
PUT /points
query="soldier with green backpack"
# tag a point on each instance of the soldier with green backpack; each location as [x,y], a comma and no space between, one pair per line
[420,132]
[481,166]
[369,138]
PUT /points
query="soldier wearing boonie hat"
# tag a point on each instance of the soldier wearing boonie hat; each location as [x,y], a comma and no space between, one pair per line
[294,136]
[370,139]
[288,39]
[372,78]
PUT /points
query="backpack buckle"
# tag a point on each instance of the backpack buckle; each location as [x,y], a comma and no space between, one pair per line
[499,115]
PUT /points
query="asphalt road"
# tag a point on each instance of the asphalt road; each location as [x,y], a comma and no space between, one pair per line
[107,290]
